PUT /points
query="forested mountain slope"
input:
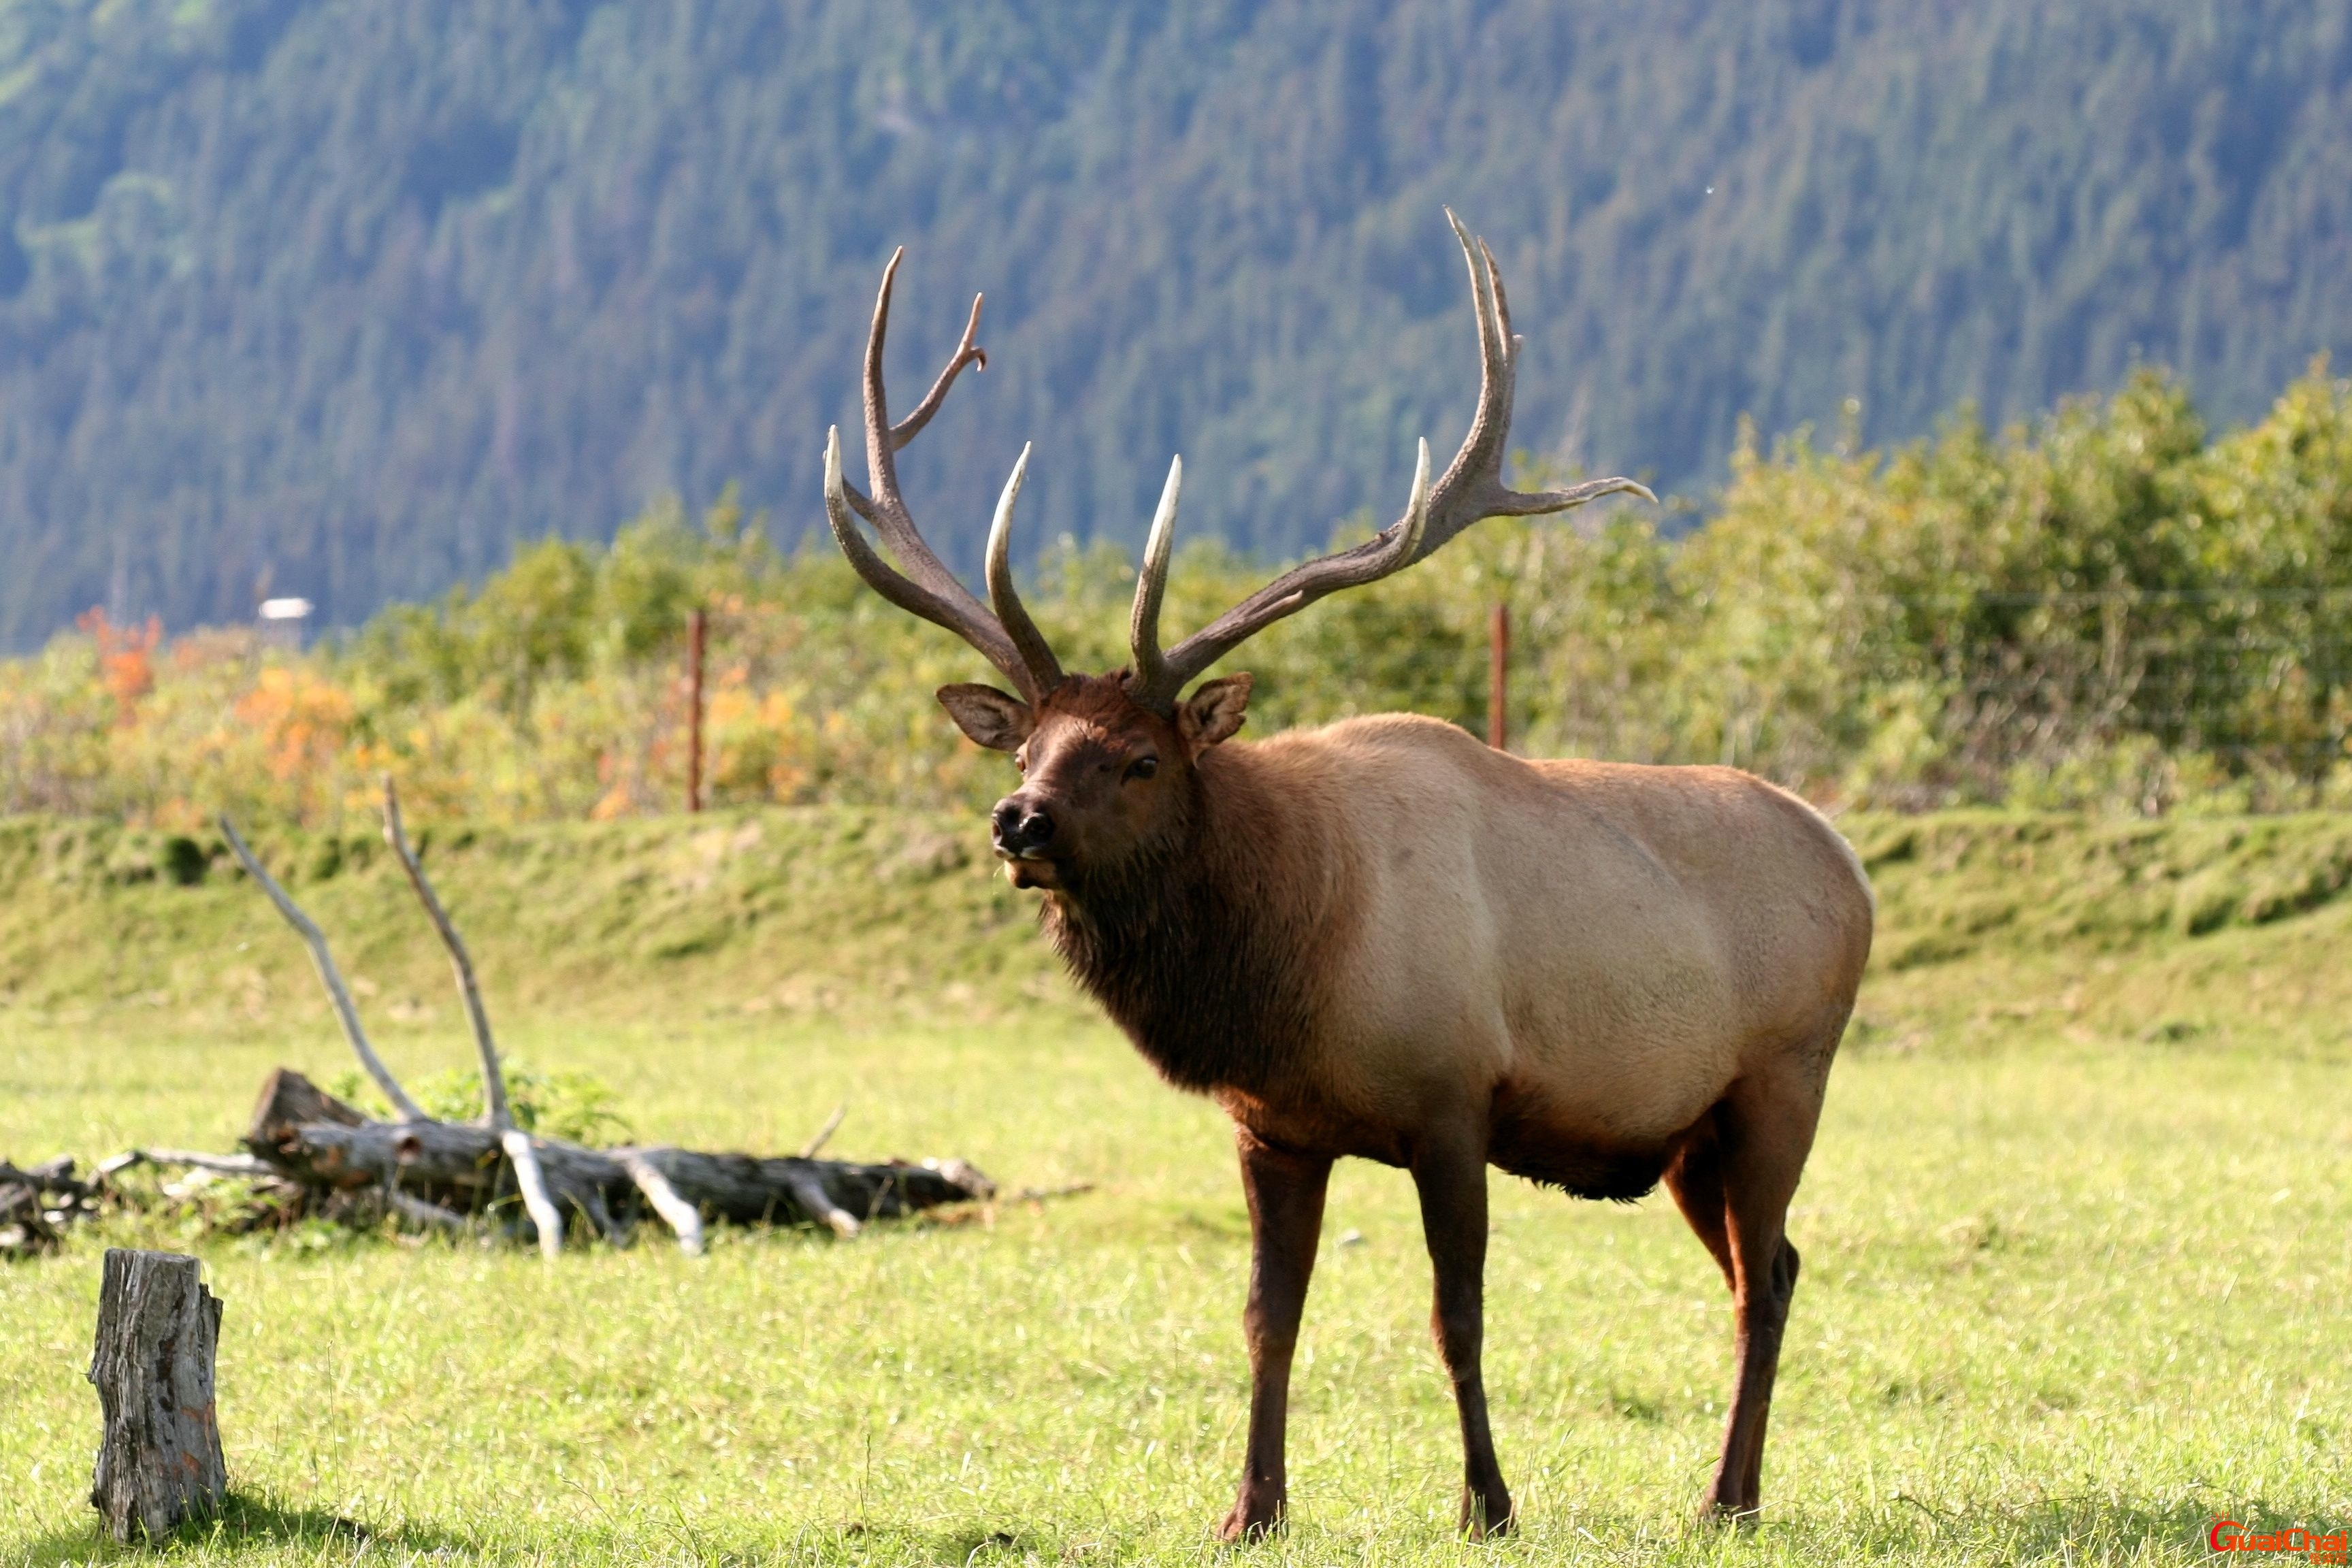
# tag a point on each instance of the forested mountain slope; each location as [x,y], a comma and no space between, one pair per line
[359,292]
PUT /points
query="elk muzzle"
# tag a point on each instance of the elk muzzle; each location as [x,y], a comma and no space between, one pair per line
[1021,829]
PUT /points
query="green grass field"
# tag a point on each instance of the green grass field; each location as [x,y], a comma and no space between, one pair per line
[2078,1230]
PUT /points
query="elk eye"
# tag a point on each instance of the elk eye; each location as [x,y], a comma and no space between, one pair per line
[1142,768]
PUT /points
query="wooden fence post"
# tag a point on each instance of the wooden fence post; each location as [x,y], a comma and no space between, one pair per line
[698,629]
[158,1460]
[1498,677]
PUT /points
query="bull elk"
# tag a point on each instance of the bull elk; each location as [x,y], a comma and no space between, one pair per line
[1381,939]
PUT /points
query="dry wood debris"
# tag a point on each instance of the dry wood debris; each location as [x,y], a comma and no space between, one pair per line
[310,1154]
[37,1205]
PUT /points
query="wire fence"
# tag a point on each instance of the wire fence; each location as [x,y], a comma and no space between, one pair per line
[1918,700]
[2232,698]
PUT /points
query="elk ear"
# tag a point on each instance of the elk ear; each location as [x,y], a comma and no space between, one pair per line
[1214,711]
[990,717]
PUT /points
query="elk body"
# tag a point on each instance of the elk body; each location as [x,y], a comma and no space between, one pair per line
[1381,939]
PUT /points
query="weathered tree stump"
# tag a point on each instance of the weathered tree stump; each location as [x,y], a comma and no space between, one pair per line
[160,1461]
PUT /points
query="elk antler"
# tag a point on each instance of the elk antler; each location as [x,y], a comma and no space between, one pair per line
[1008,638]
[1471,489]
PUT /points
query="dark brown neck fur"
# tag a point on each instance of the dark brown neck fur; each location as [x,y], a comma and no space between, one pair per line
[1203,947]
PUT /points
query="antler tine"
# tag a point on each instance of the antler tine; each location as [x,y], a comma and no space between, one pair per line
[976,627]
[926,587]
[1471,489]
[968,352]
[1508,502]
[1414,527]
[1035,653]
[887,510]
[1150,682]
[1389,551]
[1501,301]
[1477,467]
[1490,424]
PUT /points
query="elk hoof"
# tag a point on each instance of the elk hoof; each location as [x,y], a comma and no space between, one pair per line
[1255,1516]
[1718,1515]
[1488,1517]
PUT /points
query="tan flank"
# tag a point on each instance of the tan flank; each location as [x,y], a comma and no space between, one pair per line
[1382,939]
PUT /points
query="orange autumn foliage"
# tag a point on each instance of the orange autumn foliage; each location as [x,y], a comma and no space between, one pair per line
[126,658]
[301,718]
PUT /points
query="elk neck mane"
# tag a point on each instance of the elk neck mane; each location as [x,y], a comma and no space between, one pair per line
[1206,947]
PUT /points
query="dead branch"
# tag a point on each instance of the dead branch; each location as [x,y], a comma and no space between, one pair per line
[545,1194]
[315,939]
[832,1125]
[218,1164]
[1039,1195]
[494,1081]
[682,1217]
[422,1213]
[536,1200]
[814,1199]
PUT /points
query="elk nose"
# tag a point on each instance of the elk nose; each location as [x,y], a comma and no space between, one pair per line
[1020,827]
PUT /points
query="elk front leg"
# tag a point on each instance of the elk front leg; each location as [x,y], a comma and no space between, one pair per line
[1452,1179]
[1286,1206]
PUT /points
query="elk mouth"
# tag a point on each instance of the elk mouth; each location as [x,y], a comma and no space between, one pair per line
[1031,868]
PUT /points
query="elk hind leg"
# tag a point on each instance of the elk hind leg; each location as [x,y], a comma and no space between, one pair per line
[1695,1178]
[1763,1131]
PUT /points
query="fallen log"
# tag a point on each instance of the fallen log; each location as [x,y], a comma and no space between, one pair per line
[307,1136]
[310,1154]
[750,1189]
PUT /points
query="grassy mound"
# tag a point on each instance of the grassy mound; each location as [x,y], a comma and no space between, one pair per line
[871,914]
[813,910]
[2174,931]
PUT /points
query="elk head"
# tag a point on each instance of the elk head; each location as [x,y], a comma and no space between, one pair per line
[1111,764]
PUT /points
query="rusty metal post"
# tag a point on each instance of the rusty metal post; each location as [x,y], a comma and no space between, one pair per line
[697,629]
[1498,677]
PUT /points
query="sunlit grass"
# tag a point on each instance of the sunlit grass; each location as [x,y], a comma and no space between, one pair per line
[2077,1236]
[2058,1299]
